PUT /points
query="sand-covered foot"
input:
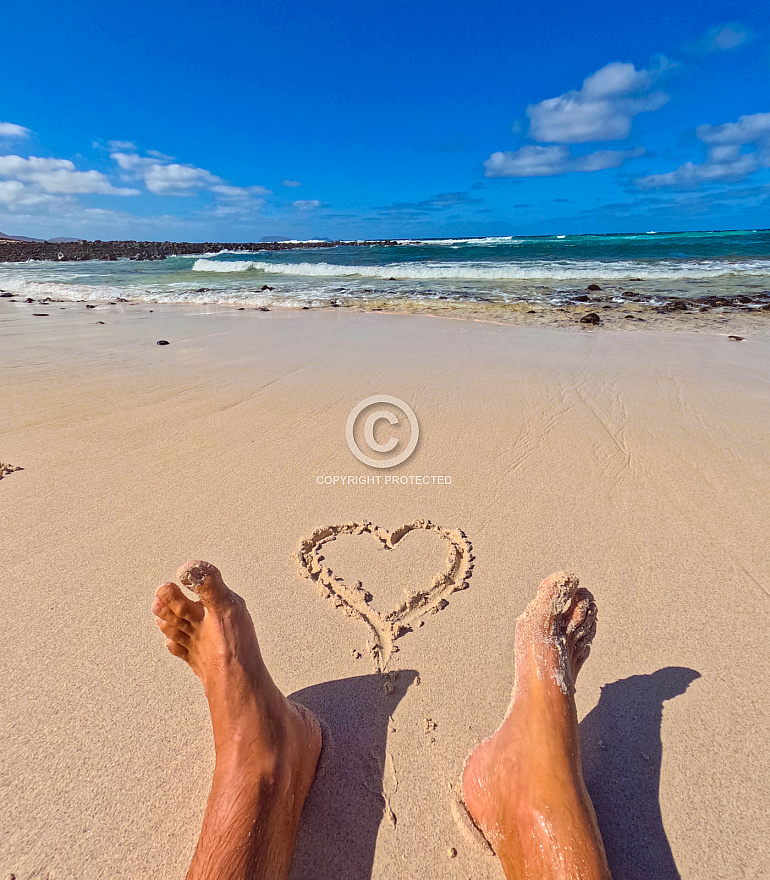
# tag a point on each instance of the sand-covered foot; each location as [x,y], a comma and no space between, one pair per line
[523,786]
[267,747]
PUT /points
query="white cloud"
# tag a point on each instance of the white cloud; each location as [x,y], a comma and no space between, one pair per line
[602,110]
[165,177]
[57,176]
[290,183]
[722,38]
[14,194]
[11,130]
[240,192]
[115,146]
[536,161]
[726,156]
[306,204]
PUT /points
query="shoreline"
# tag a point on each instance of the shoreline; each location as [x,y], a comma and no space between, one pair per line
[597,315]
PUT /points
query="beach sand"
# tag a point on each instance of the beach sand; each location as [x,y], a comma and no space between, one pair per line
[637,460]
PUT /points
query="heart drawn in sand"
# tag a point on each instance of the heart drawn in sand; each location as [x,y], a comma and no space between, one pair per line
[357,601]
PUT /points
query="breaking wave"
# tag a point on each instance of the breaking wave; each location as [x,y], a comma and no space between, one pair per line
[496,271]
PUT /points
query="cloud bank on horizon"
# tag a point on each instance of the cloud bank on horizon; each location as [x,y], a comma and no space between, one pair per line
[611,129]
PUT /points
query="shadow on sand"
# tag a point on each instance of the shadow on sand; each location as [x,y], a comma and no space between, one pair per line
[622,753]
[342,814]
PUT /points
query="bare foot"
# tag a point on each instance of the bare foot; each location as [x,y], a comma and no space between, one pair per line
[524,785]
[267,748]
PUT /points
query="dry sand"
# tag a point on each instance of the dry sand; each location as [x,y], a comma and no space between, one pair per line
[637,460]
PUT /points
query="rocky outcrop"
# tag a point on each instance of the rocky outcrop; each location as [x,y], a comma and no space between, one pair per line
[12,251]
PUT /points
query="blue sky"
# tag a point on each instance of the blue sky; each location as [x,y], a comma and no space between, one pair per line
[240,120]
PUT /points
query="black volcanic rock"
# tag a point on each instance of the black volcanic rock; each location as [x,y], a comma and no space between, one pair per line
[18,251]
[591,318]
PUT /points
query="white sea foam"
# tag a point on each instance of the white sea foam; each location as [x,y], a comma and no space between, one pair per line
[440,242]
[492,271]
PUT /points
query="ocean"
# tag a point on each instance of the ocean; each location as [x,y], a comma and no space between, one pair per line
[503,276]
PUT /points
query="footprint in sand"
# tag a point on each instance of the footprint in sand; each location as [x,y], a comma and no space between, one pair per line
[357,601]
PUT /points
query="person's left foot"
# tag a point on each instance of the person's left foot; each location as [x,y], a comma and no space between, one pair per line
[267,747]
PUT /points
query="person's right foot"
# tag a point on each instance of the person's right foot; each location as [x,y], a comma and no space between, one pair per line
[524,786]
[267,747]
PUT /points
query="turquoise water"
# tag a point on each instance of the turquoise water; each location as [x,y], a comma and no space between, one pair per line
[502,272]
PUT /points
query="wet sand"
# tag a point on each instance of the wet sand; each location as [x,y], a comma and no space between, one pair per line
[637,460]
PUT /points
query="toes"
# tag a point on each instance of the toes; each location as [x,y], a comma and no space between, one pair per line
[171,597]
[176,649]
[173,632]
[179,622]
[583,608]
[547,611]
[205,579]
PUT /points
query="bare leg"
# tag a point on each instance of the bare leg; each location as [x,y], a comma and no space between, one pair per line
[266,747]
[524,786]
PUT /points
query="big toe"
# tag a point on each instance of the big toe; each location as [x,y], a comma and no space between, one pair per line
[206,580]
[550,608]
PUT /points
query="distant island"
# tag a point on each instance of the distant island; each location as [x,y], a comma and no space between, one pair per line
[19,250]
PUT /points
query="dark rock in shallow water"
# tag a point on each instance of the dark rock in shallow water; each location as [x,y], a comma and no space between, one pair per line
[591,318]
[100,322]
[582,298]
[89,306]
[765,308]
[736,338]
[715,301]
[675,305]
[39,314]
[163,342]
[5,294]
[263,309]
[266,287]
[29,300]
[593,287]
